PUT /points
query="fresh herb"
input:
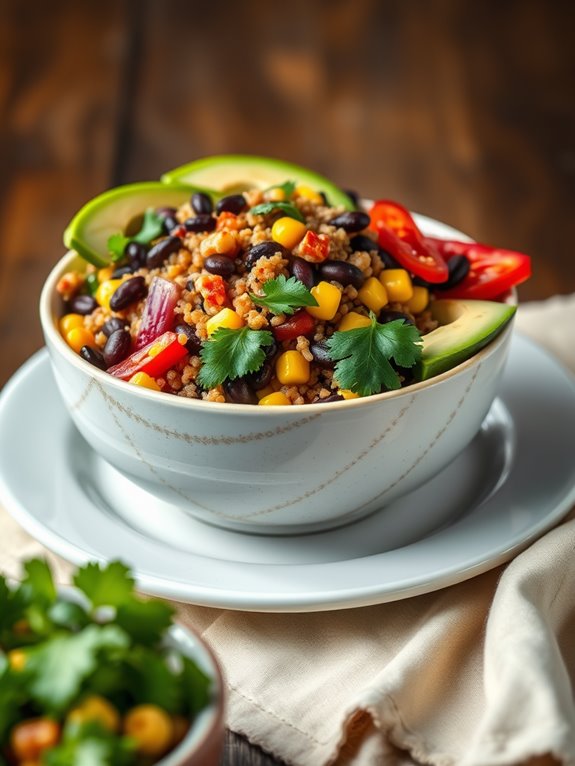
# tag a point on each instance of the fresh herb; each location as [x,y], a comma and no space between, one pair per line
[288,188]
[231,354]
[283,296]
[92,283]
[286,207]
[90,743]
[363,355]
[152,227]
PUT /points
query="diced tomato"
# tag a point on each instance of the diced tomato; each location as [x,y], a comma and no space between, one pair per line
[314,247]
[158,315]
[227,220]
[399,236]
[301,323]
[493,270]
[155,359]
[213,290]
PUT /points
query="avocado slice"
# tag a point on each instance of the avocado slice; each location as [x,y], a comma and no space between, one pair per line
[465,327]
[109,213]
[233,173]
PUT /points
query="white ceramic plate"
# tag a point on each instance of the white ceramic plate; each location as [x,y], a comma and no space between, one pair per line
[513,482]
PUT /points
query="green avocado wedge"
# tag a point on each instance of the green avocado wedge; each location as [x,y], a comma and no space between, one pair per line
[465,327]
[232,173]
[111,212]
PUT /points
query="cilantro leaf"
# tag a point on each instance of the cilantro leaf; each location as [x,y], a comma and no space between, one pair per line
[38,584]
[12,607]
[197,685]
[286,207]
[57,667]
[108,585]
[283,296]
[363,355]
[145,621]
[152,227]
[231,354]
[90,744]
[153,682]
[288,187]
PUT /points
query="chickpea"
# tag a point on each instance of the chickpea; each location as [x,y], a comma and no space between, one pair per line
[29,739]
[96,708]
[151,728]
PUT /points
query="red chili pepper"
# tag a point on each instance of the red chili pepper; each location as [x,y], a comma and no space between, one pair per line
[155,359]
[493,270]
[400,237]
[301,323]
[314,247]
[213,290]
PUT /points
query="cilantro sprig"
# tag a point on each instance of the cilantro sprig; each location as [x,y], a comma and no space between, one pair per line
[265,208]
[283,296]
[152,227]
[288,188]
[363,355]
[231,354]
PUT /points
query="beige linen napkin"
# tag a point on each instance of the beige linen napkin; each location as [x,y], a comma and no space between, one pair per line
[478,674]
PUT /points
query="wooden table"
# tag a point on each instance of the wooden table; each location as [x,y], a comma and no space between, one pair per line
[464,111]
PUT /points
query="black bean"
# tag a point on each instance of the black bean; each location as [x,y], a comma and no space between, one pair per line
[353,195]
[363,243]
[407,373]
[162,251]
[233,203]
[264,249]
[170,223]
[220,264]
[128,292]
[120,271]
[388,260]
[332,398]
[388,315]
[117,347]
[262,377]
[353,220]
[302,270]
[321,355]
[194,344]
[458,266]
[136,254]
[93,356]
[82,304]
[203,222]
[201,203]
[239,392]
[113,324]
[343,272]
[420,282]
[166,212]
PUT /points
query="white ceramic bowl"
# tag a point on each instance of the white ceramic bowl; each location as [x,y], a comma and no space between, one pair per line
[275,469]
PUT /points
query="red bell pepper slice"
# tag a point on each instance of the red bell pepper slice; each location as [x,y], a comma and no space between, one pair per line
[155,359]
[399,235]
[314,247]
[212,288]
[493,270]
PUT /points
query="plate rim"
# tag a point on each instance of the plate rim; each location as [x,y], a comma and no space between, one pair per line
[296,601]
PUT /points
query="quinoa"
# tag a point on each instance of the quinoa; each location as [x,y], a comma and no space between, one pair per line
[194,268]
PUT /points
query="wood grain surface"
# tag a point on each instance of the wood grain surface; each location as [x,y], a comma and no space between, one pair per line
[463,111]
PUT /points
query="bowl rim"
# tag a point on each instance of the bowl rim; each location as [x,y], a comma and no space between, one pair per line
[49,325]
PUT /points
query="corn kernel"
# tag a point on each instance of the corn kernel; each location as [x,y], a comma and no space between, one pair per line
[105,291]
[347,394]
[144,380]
[308,193]
[273,400]
[105,274]
[328,297]
[78,337]
[373,295]
[263,392]
[288,232]
[419,300]
[352,321]
[276,194]
[224,318]
[69,322]
[292,368]
[397,282]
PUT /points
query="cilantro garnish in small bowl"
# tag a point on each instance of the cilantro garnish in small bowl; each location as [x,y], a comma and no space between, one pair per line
[95,675]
